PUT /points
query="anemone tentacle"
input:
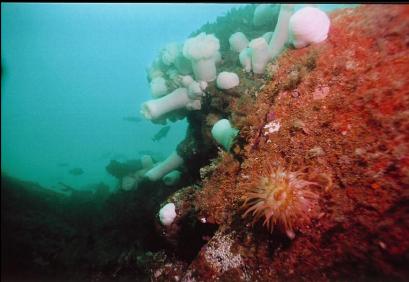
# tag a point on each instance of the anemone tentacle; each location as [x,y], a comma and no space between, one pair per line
[282,198]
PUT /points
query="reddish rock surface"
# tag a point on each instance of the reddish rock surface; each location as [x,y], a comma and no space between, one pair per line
[343,112]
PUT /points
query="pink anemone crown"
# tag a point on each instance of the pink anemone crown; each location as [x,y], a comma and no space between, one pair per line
[282,198]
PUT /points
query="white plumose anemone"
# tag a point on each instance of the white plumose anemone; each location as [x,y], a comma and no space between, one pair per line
[158,87]
[224,134]
[308,25]
[169,53]
[227,80]
[280,35]
[202,52]
[238,41]
[167,214]
[178,99]
[260,54]
[245,59]
[171,163]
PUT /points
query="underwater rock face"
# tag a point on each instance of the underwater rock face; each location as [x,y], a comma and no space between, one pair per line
[79,237]
[342,110]
[337,111]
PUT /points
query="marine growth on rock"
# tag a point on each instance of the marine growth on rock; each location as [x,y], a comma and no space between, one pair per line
[281,198]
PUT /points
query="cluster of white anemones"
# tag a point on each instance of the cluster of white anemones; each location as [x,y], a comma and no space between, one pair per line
[304,27]
[180,75]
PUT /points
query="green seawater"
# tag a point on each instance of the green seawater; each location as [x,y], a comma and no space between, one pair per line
[72,83]
[73,73]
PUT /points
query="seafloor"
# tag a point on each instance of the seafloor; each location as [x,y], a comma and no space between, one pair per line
[342,107]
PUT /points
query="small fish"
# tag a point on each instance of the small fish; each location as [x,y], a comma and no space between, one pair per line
[162,133]
[132,119]
[62,164]
[76,171]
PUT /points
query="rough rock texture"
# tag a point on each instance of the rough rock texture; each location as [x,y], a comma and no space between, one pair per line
[339,109]
[82,236]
